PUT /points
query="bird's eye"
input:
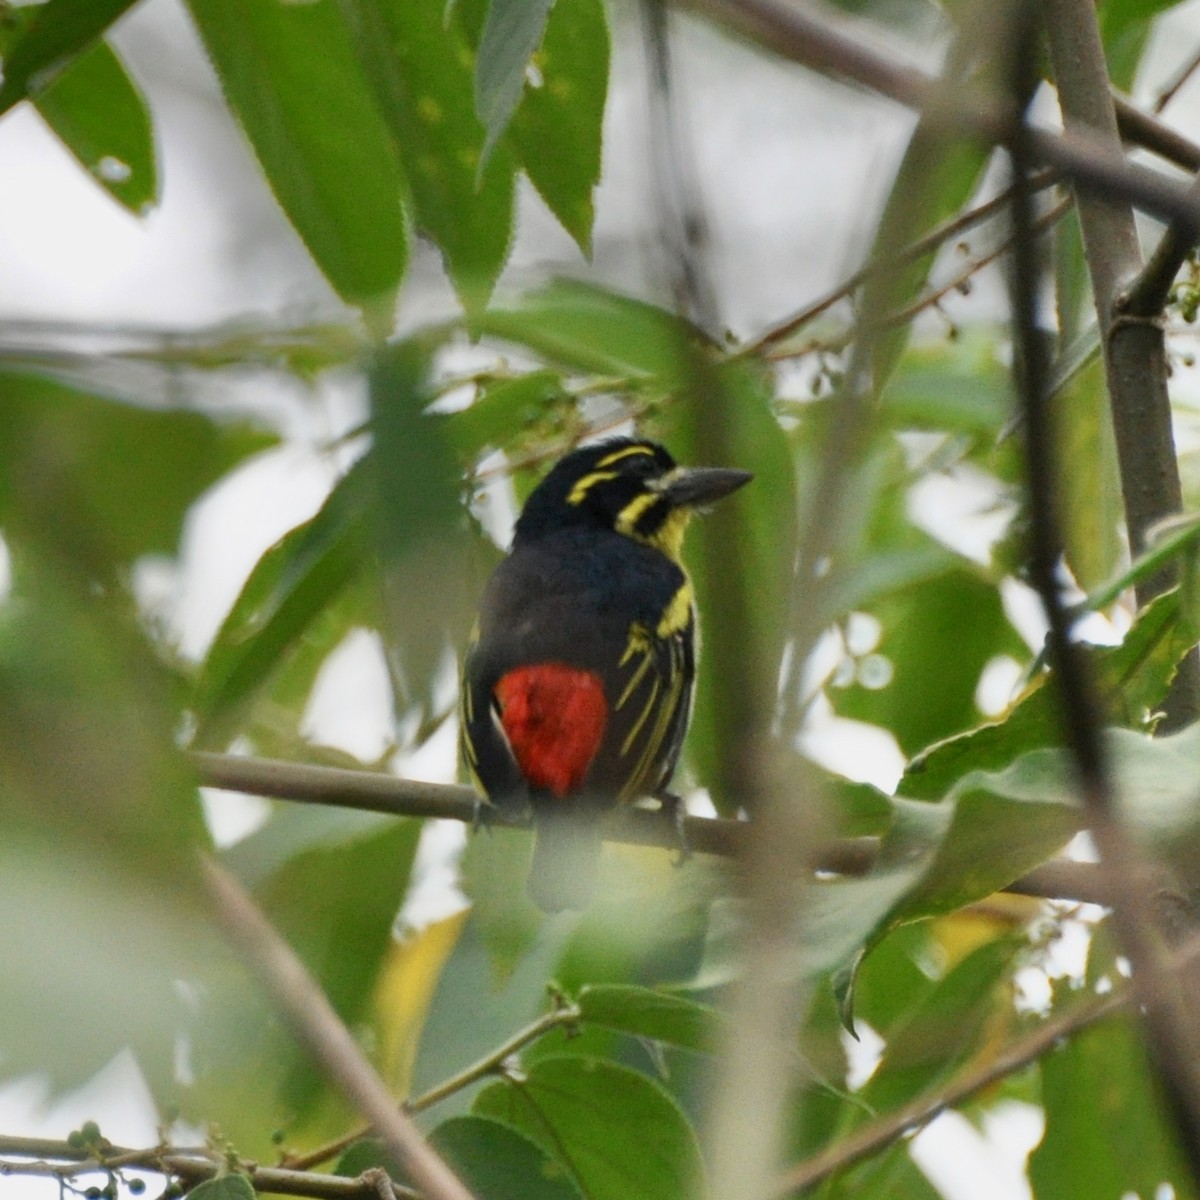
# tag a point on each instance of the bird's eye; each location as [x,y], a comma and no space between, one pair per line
[643,466]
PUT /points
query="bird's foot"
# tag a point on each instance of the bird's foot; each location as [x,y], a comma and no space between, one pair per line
[673,808]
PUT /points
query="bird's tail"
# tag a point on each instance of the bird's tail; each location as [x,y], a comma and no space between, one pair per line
[566,858]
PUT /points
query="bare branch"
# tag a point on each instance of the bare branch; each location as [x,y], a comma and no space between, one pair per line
[1079,63]
[307,1009]
[822,45]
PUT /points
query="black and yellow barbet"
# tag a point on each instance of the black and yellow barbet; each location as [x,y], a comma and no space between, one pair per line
[577,685]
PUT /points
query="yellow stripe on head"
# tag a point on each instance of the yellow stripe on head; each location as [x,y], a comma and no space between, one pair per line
[632,513]
[617,455]
[579,492]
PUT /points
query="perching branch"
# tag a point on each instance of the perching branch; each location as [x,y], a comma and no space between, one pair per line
[369,791]
[304,1005]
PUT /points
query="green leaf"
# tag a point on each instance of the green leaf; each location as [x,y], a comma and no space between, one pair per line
[421,71]
[101,116]
[427,546]
[990,830]
[290,587]
[1108,1128]
[1132,680]
[944,1029]
[741,558]
[503,410]
[511,33]
[492,1159]
[335,901]
[920,705]
[290,74]
[1089,484]
[957,386]
[501,1163]
[58,32]
[646,1013]
[936,177]
[61,445]
[558,127]
[476,1007]
[622,1136]
[230,1187]
[588,329]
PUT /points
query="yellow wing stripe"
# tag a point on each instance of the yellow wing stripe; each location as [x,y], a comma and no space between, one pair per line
[637,725]
[635,679]
[677,616]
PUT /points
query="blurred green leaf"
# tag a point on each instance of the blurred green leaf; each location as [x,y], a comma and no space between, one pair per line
[558,127]
[101,116]
[1132,680]
[492,1159]
[895,686]
[1089,484]
[937,176]
[959,386]
[475,1008]
[1125,28]
[623,1135]
[97,477]
[588,329]
[290,73]
[229,1187]
[421,72]
[427,546]
[741,558]
[56,34]
[335,901]
[291,586]
[503,409]
[947,1027]
[493,870]
[1108,1129]
[646,1013]
[511,33]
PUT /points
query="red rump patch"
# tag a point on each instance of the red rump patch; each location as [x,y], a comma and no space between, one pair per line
[554,717]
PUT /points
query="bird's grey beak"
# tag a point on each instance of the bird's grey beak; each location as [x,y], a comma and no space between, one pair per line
[703,485]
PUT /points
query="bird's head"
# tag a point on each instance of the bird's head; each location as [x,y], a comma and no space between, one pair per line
[626,484]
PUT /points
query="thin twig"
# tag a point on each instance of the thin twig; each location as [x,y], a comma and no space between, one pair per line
[309,1012]
[1184,73]
[190,1166]
[931,242]
[973,1079]
[371,792]
[821,44]
[1147,131]
[490,1064]
[1146,297]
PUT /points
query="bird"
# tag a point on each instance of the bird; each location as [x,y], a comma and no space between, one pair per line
[576,686]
